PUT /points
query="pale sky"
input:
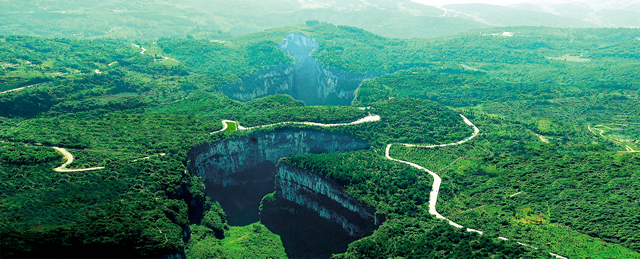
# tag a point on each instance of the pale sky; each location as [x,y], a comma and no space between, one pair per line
[592,3]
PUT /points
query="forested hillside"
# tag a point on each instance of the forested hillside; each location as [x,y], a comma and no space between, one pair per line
[554,165]
[218,19]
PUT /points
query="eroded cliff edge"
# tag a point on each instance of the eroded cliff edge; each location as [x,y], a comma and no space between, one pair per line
[306,80]
[239,172]
[326,198]
[313,215]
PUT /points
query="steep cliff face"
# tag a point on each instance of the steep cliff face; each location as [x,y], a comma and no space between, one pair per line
[225,163]
[327,199]
[306,80]
[239,172]
[313,215]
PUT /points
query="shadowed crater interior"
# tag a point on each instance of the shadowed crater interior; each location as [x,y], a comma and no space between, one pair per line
[313,216]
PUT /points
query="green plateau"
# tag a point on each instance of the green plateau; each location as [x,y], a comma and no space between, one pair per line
[553,165]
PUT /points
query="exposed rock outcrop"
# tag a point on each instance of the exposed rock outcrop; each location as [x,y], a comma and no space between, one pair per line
[326,198]
[313,215]
[239,172]
[306,80]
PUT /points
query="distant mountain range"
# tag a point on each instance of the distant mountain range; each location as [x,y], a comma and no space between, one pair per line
[149,19]
[558,14]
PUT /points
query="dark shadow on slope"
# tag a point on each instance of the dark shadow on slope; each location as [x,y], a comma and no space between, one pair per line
[239,172]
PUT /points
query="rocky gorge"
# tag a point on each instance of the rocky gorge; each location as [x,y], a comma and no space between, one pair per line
[312,214]
[307,79]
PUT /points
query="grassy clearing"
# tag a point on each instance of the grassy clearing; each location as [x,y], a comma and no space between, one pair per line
[251,241]
[231,126]
[544,125]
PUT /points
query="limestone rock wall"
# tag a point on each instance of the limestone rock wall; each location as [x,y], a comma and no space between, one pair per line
[306,80]
[313,216]
[327,199]
[225,163]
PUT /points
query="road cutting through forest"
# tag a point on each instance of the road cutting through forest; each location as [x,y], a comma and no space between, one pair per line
[69,157]
[542,138]
[140,47]
[225,126]
[433,197]
[163,58]
[628,148]
[369,118]
[24,87]
[435,189]
[437,181]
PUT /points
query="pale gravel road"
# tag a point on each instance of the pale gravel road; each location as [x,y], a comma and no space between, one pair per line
[435,189]
[24,87]
[627,147]
[437,181]
[69,157]
[370,118]
[154,60]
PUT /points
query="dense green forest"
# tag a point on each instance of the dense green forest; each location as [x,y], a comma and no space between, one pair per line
[413,238]
[131,207]
[557,111]
[559,188]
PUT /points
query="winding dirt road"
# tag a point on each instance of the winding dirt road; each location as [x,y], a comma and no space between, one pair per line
[618,142]
[69,157]
[140,47]
[163,58]
[435,189]
[24,87]
[542,138]
[369,118]
[437,181]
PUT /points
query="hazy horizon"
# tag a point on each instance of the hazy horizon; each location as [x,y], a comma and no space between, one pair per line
[595,4]
[446,2]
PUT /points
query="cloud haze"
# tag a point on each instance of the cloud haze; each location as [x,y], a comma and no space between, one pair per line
[446,2]
[594,4]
